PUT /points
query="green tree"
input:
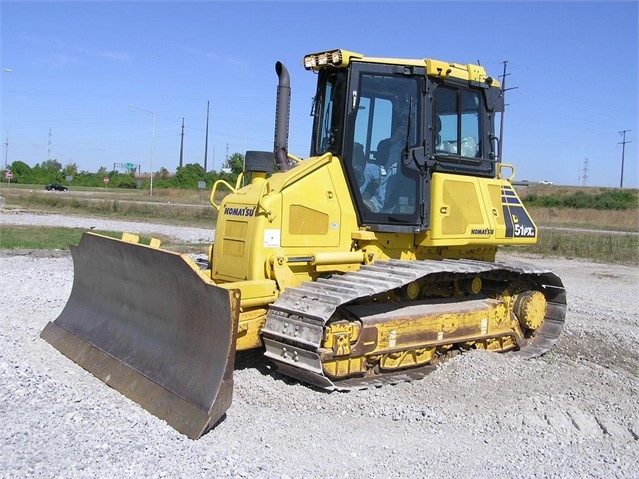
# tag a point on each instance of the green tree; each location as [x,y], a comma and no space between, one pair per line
[188,176]
[233,166]
[53,165]
[22,173]
[164,173]
[70,169]
[46,172]
[236,163]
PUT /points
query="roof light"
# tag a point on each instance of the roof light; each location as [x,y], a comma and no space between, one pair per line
[315,61]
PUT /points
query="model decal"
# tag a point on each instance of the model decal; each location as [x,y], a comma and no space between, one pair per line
[518,223]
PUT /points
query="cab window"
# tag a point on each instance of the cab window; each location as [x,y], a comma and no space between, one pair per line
[457,120]
[385,128]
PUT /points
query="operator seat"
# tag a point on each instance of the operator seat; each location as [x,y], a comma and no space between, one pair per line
[376,171]
[383,150]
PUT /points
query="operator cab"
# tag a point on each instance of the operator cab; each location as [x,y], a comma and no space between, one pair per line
[393,123]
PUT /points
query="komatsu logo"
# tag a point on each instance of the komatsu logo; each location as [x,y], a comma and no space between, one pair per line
[242,211]
[482,231]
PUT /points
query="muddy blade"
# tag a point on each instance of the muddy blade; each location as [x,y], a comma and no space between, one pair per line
[149,324]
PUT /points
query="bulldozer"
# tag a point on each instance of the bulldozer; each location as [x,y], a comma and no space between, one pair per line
[368,263]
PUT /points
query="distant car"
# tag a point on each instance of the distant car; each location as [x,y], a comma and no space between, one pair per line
[55,187]
[545,182]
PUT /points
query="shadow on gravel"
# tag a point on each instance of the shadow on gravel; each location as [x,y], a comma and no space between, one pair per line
[255,359]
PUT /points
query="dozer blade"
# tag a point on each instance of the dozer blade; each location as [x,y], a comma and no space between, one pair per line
[149,323]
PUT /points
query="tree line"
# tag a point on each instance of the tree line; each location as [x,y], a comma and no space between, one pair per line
[185,177]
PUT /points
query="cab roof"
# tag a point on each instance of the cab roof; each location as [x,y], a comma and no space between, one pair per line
[434,68]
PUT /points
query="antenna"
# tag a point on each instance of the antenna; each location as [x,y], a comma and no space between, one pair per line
[501,123]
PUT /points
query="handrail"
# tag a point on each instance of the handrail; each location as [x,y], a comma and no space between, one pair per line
[225,183]
[265,185]
[505,165]
[294,158]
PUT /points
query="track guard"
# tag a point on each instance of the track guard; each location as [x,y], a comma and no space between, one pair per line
[151,325]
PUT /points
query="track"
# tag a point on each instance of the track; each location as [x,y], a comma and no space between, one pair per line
[295,324]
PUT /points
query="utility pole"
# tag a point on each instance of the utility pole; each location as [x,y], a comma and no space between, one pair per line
[152,113]
[182,144]
[49,153]
[623,153]
[206,141]
[6,153]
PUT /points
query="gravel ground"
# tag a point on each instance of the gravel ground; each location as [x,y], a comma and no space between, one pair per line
[571,413]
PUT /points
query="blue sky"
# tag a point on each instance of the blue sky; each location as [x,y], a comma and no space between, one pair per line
[77,66]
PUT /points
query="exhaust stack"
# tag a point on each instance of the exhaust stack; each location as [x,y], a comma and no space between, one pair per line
[282,115]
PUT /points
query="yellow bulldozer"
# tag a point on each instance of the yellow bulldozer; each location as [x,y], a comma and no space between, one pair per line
[367,263]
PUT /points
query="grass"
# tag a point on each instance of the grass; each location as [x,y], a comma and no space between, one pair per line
[613,220]
[177,207]
[604,247]
[58,238]
[591,198]
[32,237]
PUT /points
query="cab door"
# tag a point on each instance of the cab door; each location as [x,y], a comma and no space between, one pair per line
[385,181]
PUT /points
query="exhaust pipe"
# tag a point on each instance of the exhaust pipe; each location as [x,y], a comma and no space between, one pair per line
[282,115]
